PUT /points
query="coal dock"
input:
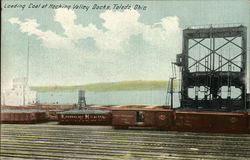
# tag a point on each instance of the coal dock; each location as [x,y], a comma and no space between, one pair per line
[212,121]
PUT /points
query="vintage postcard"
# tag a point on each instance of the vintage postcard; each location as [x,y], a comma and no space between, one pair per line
[112,79]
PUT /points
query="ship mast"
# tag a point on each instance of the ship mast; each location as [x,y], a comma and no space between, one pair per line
[27,72]
[28,59]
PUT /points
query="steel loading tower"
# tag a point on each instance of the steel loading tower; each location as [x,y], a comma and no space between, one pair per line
[213,68]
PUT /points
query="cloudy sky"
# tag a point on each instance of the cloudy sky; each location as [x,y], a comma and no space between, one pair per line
[70,47]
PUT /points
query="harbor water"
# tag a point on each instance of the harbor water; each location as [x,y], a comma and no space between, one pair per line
[147,97]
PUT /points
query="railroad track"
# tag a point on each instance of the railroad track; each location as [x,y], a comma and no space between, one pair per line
[51,141]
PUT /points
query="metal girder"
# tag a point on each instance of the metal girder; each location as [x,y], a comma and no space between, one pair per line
[234,43]
[228,41]
[215,52]
[221,32]
[196,44]
[231,62]
[198,62]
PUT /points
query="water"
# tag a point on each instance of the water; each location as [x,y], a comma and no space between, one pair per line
[148,97]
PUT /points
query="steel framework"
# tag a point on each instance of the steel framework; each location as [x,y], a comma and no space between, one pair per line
[213,65]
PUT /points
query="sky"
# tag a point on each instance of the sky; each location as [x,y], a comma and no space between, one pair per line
[75,46]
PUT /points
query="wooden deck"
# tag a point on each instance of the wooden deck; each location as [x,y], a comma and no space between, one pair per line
[51,141]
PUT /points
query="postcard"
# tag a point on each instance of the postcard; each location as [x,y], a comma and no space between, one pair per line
[90,79]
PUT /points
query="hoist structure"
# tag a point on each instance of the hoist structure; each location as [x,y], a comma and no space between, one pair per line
[213,68]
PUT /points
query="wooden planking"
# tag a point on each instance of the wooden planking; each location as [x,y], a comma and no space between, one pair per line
[130,141]
[51,141]
[114,149]
[108,130]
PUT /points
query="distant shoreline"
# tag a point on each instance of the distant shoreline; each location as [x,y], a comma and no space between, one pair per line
[112,86]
